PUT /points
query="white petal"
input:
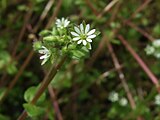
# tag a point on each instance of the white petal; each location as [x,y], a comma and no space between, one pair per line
[92,36]
[79,42]
[76,38]
[41,51]
[43,57]
[74,34]
[89,40]
[91,32]
[58,21]
[65,20]
[87,28]
[84,42]
[77,30]
[44,47]
[44,61]
[62,19]
[66,23]
[82,28]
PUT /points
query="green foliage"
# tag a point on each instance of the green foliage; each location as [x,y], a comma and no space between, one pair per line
[2,117]
[5,62]
[59,42]
[82,87]
[30,93]
[33,110]
[2,90]
[154,49]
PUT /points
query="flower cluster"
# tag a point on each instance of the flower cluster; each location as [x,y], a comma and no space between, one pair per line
[65,38]
[114,97]
[153,49]
[157,99]
[62,23]
[123,101]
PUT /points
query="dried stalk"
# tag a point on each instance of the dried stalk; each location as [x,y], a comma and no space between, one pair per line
[55,103]
[140,62]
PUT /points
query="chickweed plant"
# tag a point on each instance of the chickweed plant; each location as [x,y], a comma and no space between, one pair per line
[153,49]
[64,40]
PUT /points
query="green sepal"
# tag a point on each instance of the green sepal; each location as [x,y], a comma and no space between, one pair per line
[44,33]
[51,38]
[81,53]
[37,45]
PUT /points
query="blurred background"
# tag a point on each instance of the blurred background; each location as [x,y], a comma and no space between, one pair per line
[118,81]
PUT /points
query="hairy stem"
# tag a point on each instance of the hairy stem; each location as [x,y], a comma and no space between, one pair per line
[48,78]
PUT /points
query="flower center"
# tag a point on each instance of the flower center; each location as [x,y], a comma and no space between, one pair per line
[83,36]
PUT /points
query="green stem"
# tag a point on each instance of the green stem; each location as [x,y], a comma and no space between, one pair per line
[48,78]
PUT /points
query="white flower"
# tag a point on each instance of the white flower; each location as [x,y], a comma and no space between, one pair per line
[83,34]
[123,101]
[62,23]
[157,99]
[156,43]
[157,54]
[45,54]
[149,50]
[113,96]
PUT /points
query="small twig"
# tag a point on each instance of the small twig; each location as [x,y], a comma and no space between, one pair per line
[107,8]
[92,7]
[55,13]
[96,53]
[115,12]
[4,76]
[13,82]
[121,75]
[19,56]
[26,62]
[55,103]
[46,81]
[22,32]
[140,62]
[140,8]
[134,26]
[44,13]
[107,73]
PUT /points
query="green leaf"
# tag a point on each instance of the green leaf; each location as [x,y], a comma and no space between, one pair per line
[77,54]
[33,110]
[22,8]
[114,41]
[12,69]
[97,33]
[2,117]
[81,53]
[30,93]
[2,90]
